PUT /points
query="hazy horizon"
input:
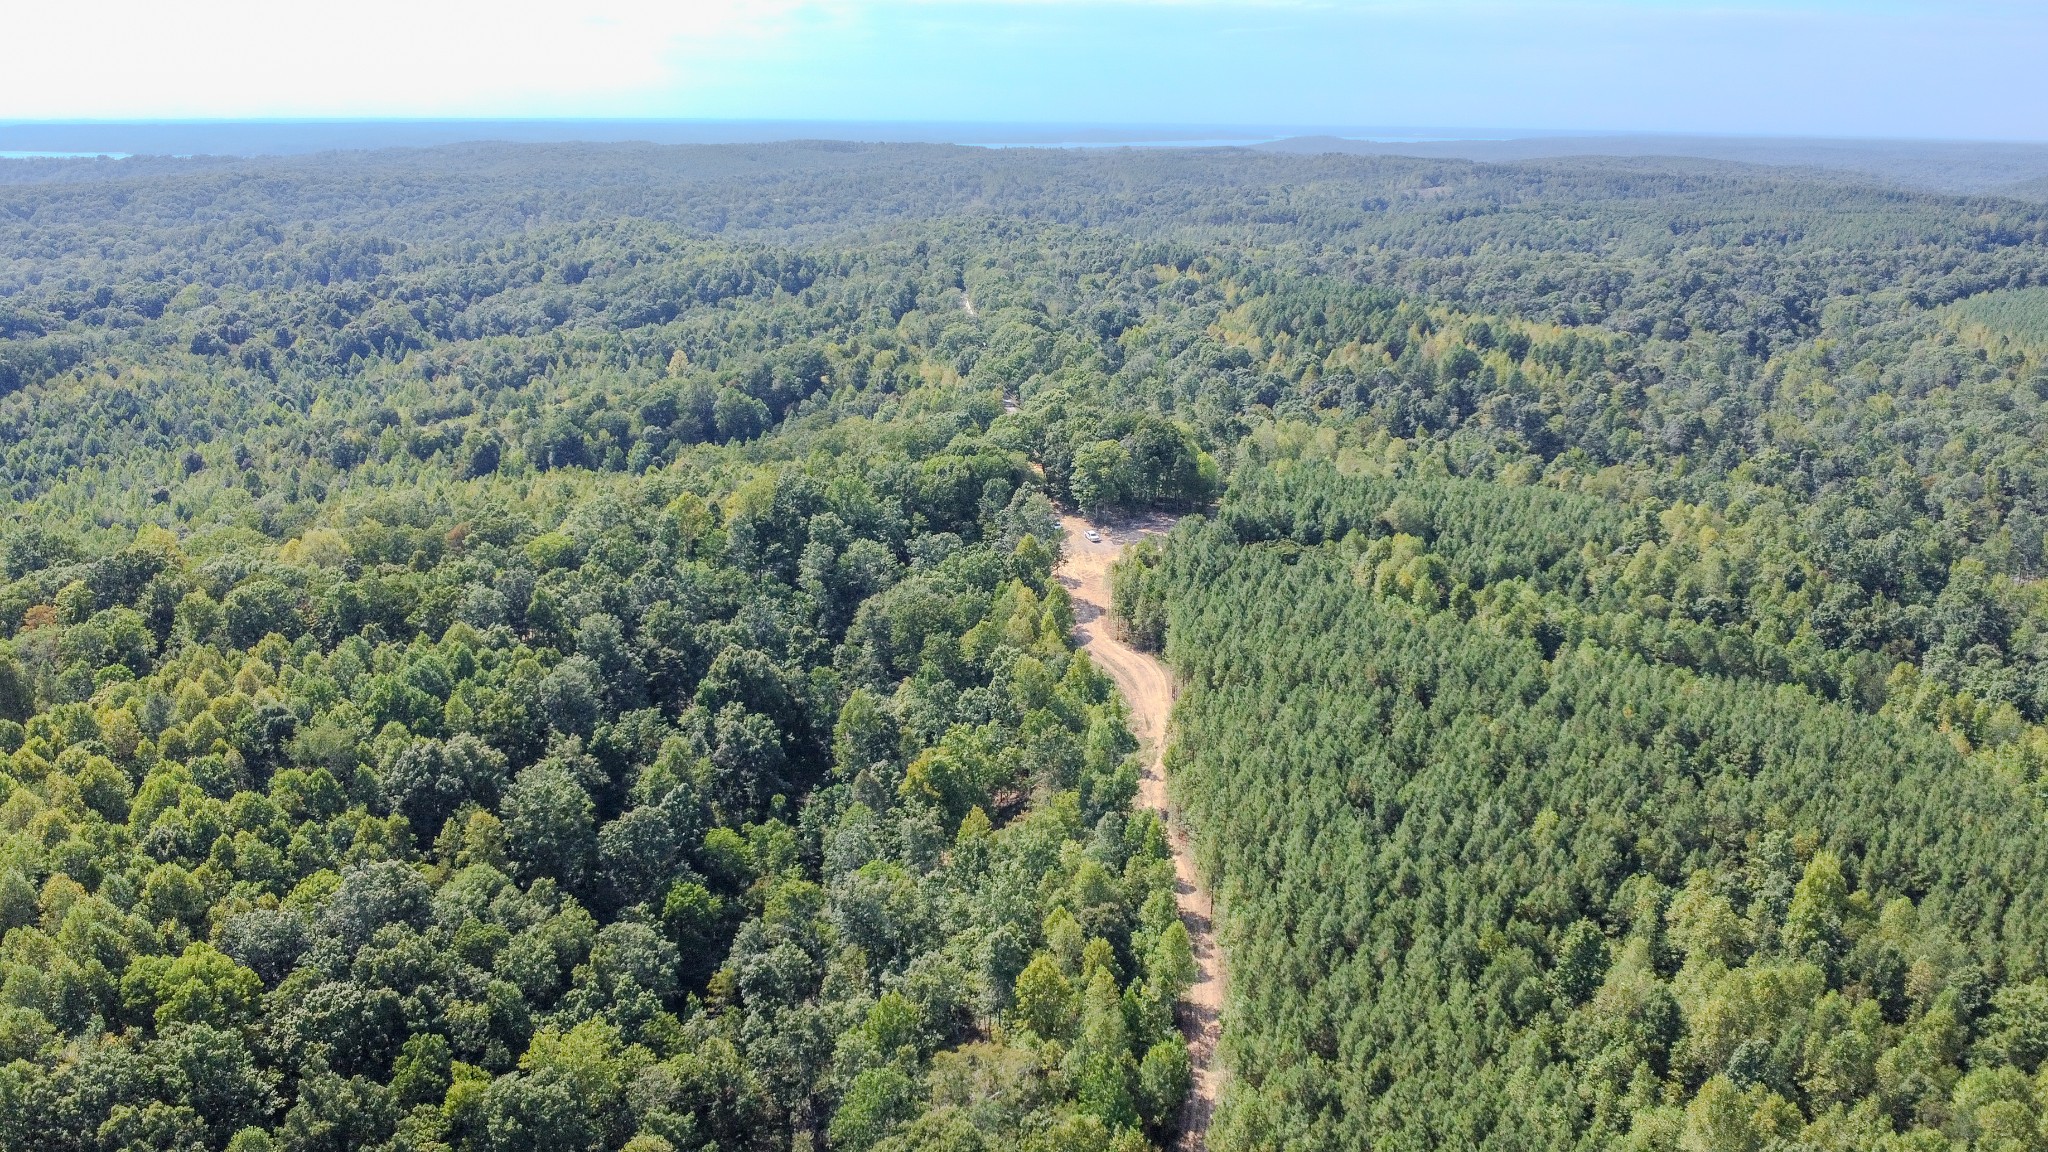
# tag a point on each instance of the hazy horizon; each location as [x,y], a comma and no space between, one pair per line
[2015,168]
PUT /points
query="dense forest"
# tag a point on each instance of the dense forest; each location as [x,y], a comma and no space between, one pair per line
[556,648]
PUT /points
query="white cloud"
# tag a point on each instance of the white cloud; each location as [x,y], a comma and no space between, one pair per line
[153,58]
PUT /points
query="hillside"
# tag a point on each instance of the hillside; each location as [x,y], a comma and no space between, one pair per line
[1962,167]
[512,647]
[1495,887]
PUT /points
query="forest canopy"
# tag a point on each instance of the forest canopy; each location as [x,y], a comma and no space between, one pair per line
[557,648]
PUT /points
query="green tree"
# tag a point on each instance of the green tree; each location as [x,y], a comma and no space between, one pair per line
[548,819]
[877,1102]
[1103,1067]
[1104,476]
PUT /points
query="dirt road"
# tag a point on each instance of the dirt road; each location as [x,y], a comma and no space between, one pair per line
[1148,688]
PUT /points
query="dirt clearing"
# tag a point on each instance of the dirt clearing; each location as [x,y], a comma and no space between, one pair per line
[1148,688]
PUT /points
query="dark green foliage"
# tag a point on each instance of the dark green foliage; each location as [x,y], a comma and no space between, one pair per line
[486,740]
[555,648]
[1504,900]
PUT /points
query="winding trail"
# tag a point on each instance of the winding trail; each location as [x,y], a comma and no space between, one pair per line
[1148,688]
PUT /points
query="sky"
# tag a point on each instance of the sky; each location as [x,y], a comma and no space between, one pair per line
[1959,69]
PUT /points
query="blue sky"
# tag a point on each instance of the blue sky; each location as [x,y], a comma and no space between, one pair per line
[1961,68]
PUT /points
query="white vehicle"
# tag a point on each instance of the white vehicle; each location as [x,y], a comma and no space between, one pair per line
[1094,537]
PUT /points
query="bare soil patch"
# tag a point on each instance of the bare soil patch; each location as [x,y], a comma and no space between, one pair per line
[1148,689]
